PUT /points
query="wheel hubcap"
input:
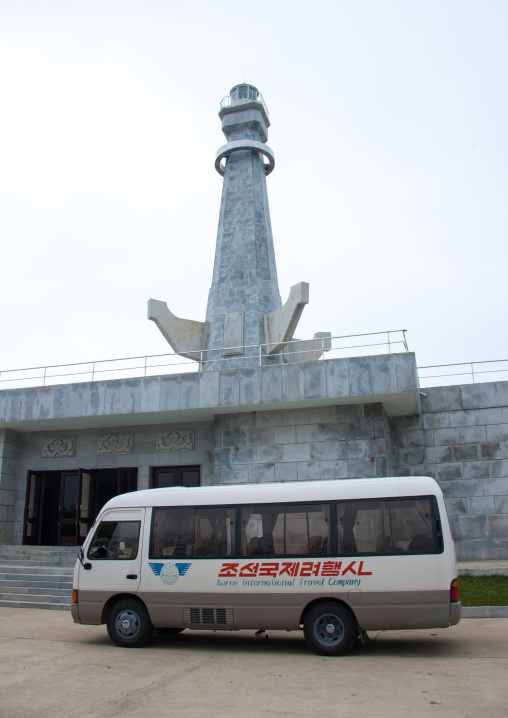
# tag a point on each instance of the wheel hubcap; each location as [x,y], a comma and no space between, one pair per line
[329,630]
[127,624]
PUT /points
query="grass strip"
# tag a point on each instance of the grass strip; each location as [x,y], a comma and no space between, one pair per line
[483,590]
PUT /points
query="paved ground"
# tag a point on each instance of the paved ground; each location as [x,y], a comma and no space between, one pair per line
[50,667]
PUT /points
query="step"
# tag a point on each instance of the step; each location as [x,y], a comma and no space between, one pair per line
[46,585]
[30,553]
[39,576]
[36,590]
[36,549]
[36,566]
[21,580]
[38,560]
[26,583]
[35,597]
[35,571]
[34,604]
[36,576]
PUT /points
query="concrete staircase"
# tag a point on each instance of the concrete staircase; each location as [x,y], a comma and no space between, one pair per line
[36,576]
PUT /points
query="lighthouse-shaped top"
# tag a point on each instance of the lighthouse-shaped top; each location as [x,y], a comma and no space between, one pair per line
[244,95]
[245,321]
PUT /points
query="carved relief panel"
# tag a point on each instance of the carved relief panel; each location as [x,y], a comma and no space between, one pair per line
[109,444]
[175,440]
[58,447]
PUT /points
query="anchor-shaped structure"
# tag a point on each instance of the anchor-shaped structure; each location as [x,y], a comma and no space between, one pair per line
[246,322]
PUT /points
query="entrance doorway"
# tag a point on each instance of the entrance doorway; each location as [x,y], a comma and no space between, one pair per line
[62,505]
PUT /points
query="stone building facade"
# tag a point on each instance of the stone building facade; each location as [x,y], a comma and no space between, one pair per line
[461,439]
[256,409]
[256,425]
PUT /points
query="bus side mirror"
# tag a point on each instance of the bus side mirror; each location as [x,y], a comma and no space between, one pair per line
[87,566]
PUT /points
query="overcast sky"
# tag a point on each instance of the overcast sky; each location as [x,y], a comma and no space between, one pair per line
[389,195]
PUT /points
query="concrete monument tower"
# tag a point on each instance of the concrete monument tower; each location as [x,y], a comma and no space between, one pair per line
[245,322]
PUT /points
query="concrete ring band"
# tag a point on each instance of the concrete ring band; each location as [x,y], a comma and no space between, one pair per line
[226,150]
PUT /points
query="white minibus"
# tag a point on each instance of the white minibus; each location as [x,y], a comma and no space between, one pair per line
[338,558]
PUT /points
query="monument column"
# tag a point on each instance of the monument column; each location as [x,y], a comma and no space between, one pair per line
[244,283]
[246,322]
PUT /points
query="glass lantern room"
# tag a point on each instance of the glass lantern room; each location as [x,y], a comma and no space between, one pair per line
[244,92]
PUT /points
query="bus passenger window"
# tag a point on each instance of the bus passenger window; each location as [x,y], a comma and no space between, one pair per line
[385,527]
[263,530]
[214,533]
[409,522]
[188,532]
[115,540]
[307,530]
[360,527]
[291,530]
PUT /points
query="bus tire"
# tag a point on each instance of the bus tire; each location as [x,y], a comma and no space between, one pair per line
[329,629]
[128,623]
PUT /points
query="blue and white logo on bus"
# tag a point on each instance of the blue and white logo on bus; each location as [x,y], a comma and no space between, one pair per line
[169,572]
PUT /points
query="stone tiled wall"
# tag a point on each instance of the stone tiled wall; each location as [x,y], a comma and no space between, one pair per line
[8,469]
[461,439]
[332,442]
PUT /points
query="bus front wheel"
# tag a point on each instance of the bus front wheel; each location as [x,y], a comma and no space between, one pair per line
[329,629]
[129,624]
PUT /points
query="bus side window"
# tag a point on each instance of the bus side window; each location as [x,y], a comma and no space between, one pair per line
[188,532]
[263,530]
[409,522]
[360,527]
[214,532]
[291,530]
[115,540]
[385,527]
[307,530]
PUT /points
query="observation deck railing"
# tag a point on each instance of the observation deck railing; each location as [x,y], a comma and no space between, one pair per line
[229,102]
[387,342]
[352,345]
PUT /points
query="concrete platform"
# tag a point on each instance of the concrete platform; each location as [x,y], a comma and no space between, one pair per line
[390,379]
[49,666]
[483,568]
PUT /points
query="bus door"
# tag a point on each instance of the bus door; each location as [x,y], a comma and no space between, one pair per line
[112,562]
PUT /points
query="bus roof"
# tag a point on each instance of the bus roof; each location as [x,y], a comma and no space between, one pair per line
[276,492]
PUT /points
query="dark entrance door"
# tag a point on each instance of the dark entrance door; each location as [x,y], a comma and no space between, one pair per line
[86,514]
[62,505]
[32,509]
[68,515]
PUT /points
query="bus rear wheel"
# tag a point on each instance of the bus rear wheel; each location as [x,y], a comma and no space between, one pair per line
[329,629]
[129,624]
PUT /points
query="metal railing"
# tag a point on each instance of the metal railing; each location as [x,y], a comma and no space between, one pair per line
[352,345]
[393,341]
[463,372]
[228,102]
